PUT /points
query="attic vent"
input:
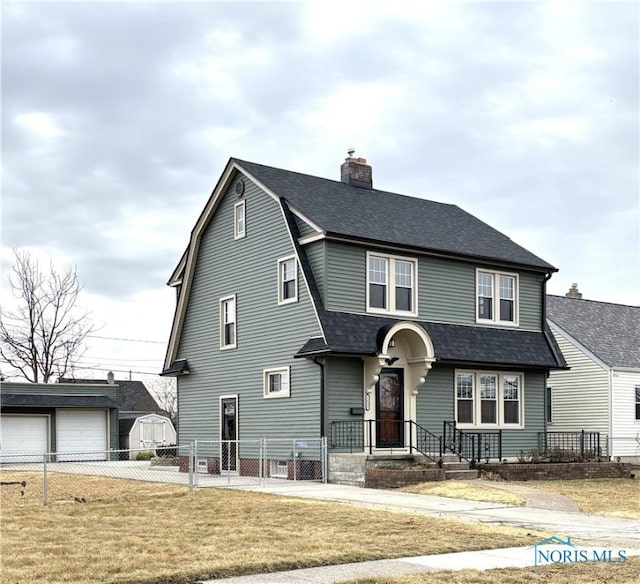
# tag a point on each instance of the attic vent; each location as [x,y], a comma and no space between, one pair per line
[356,172]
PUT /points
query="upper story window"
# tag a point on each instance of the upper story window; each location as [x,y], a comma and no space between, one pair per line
[228,338]
[239,220]
[497,297]
[637,402]
[489,399]
[391,284]
[275,382]
[287,280]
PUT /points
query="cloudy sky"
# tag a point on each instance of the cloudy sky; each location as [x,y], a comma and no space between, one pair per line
[118,118]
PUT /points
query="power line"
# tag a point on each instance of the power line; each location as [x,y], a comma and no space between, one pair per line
[19,327]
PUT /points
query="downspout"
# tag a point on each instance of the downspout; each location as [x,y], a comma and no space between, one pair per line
[546,278]
[321,363]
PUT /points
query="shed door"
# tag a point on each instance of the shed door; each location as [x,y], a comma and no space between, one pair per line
[81,434]
[23,438]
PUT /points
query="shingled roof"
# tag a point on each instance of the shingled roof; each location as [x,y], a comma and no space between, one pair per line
[133,396]
[610,331]
[364,214]
[357,334]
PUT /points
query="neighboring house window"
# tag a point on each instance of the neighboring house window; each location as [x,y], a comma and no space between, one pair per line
[391,284]
[497,297]
[228,337]
[239,223]
[276,382]
[637,402]
[287,280]
[548,405]
[489,398]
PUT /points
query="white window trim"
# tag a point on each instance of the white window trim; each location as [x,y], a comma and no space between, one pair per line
[294,298]
[496,298]
[266,373]
[391,277]
[224,299]
[500,399]
[239,207]
[275,471]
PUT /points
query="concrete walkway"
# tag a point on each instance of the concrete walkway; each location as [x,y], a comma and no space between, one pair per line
[536,498]
[592,530]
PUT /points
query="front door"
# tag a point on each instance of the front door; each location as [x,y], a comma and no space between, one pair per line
[229,426]
[390,409]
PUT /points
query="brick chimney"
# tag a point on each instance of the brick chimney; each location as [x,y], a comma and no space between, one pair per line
[356,172]
[574,292]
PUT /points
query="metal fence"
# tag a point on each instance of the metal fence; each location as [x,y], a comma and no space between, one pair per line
[92,476]
[568,445]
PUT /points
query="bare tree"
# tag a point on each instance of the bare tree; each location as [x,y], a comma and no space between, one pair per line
[45,334]
[165,392]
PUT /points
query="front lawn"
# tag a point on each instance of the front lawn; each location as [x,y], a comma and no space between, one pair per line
[101,530]
[617,497]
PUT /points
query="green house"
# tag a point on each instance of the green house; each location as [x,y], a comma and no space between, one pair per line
[309,307]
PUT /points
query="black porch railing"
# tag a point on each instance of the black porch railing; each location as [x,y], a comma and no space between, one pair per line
[472,446]
[360,435]
[582,445]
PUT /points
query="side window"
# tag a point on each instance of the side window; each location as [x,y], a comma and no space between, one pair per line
[287,280]
[228,337]
[239,220]
[275,382]
[637,402]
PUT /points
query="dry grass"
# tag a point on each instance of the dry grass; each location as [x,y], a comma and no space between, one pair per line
[588,573]
[134,532]
[617,497]
[463,490]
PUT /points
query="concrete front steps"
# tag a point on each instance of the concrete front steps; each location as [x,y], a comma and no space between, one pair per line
[393,470]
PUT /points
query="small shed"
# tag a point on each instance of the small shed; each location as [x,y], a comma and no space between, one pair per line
[146,432]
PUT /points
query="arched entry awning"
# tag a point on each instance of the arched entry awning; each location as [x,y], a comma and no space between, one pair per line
[417,345]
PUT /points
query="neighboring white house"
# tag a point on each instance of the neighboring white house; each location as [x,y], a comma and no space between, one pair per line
[146,433]
[601,392]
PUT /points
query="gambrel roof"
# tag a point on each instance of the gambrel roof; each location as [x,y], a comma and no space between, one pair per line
[382,217]
[337,210]
[610,331]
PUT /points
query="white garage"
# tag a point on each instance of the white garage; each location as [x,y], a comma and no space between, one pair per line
[81,434]
[23,438]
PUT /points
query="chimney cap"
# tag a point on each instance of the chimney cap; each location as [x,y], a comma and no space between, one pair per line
[351,152]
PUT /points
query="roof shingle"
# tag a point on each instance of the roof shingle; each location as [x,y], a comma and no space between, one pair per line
[363,214]
[610,331]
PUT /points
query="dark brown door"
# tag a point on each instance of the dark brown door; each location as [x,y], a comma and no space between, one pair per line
[390,409]
[229,454]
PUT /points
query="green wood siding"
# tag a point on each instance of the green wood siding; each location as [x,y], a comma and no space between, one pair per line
[343,389]
[268,335]
[316,255]
[304,228]
[446,288]
[110,391]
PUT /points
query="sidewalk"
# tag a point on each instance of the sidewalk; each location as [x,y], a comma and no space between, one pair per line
[598,531]
[480,560]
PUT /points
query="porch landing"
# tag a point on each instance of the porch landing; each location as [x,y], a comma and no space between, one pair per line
[394,470]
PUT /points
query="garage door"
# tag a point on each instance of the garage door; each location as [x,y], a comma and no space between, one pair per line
[23,438]
[81,434]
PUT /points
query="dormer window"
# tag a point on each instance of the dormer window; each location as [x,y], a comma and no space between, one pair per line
[391,284]
[239,222]
[497,298]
